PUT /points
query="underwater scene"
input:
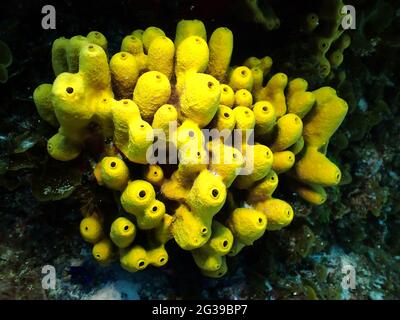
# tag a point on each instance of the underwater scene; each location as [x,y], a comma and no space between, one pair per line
[193,150]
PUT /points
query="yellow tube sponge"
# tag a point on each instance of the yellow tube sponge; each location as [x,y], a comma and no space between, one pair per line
[209,256]
[151,92]
[152,215]
[103,251]
[247,225]
[112,173]
[298,146]
[189,230]
[158,256]
[258,79]
[164,116]
[93,65]
[138,33]
[68,98]
[188,28]
[217,273]
[278,212]
[178,187]
[138,258]
[123,113]
[163,232]
[265,117]
[324,118]
[149,35]
[62,148]
[208,194]
[137,196]
[283,161]
[73,49]
[199,99]
[258,159]
[288,130]
[226,162]
[59,56]
[315,168]
[189,135]
[141,138]
[123,232]
[245,119]
[263,189]
[207,136]
[103,113]
[44,106]
[221,46]
[252,62]
[134,259]
[243,98]
[98,38]
[266,64]
[160,56]
[91,229]
[139,200]
[134,45]
[205,260]
[299,100]
[221,240]
[154,174]
[312,193]
[241,78]
[296,85]
[191,57]
[192,161]
[124,74]
[227,96]
[224,119]
[274,92]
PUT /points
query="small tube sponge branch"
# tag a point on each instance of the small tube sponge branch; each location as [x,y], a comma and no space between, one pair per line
[151,92]
[123,232]
[247,225]
[220,46]
[139,200]
[210,257]
[187,28]
[112,172]
[103,251]
[200,98]
[236,133]
[124,73]
[278,213]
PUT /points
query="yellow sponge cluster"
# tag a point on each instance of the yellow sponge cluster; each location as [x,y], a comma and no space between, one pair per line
[134,98]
